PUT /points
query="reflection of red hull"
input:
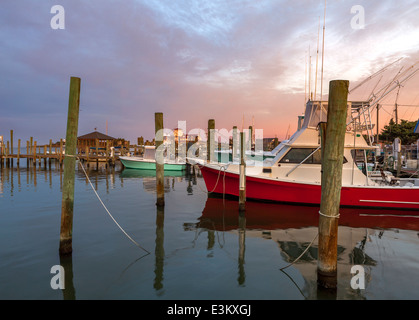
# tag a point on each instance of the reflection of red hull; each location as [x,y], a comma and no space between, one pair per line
[310,194]
[223,215]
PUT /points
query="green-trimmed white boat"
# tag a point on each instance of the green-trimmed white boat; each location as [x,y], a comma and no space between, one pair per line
[148,161]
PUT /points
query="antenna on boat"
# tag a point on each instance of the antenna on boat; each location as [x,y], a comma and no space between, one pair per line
[317,61]
[305,78]
[309,73]
[374,75]
[321,82]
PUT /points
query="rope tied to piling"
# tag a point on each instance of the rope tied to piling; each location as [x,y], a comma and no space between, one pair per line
[104,206]
[222,168]
[327,216]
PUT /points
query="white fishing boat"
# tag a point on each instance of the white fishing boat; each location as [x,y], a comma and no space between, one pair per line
[294,174]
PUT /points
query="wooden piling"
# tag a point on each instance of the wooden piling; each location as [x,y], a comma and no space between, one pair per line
[107,153]
[1,151]
[250,141]
[331,183]
[235,144]
[45,156]
[11,147]
[61,153]
[97,153]
[18,152]
[158,121]
[66,238]
[210,140]
[7,155]
[34,153]
[50,152]
[242,179]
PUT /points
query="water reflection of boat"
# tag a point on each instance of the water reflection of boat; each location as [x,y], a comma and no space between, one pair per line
[134,173]
[148,178]
[293,228]
[221,215]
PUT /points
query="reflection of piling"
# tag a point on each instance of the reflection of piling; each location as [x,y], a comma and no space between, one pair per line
[70,168]
[242,249]
[69,292]
[159,250]
[332,160]
[158,120]
[242,182]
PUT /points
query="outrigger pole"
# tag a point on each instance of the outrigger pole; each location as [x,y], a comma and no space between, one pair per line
[321,82]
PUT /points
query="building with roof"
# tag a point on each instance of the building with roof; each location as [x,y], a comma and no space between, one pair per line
[89,140]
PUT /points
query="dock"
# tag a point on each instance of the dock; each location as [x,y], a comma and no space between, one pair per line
[36,155]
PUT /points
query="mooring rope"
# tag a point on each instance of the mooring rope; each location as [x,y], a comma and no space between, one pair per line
[300,254]
[324,215]
[223,168]
[97,195]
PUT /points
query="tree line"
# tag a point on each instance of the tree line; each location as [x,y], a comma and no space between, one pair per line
[403,130]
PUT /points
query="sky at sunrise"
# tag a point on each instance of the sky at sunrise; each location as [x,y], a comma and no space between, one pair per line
[240,62]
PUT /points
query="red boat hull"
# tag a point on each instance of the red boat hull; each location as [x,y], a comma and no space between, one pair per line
[309,194]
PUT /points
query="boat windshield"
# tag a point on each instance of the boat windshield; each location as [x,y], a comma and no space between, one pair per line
[149,153]
[298,155]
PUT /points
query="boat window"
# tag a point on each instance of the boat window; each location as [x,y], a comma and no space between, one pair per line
[297,155]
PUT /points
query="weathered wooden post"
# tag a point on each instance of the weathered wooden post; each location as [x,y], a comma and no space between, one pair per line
[1,151]
[66,238]
[7,155]
[397,155]
[27,153]
[235,144]
[107,153]
[50,153]
[34,153]
[61,153]
[31,145]
[11,147]
[333,145]
[211,140]
[242,171]
[18,152]
[250,142]
[45,155]
[158,121]
[97,153]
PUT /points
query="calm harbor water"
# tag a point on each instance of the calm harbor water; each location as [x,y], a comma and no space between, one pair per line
[199,247]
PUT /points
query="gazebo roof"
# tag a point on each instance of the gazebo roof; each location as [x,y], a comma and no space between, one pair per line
[95,135]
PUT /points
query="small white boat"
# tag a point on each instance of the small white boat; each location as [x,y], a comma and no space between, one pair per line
[148,161]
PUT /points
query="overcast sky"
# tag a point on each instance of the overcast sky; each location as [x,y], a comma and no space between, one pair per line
[193,60]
